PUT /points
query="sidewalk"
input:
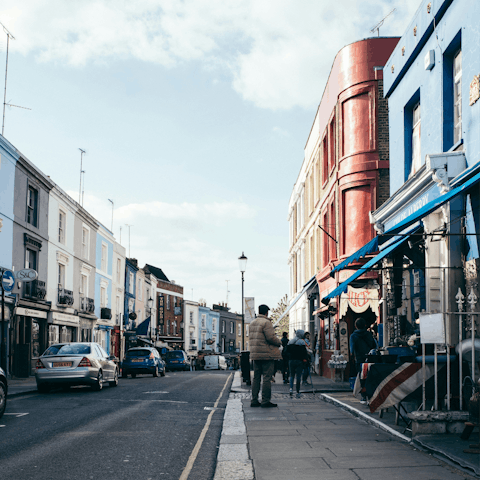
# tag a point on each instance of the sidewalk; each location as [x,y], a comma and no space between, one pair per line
[21,386]
[311,438]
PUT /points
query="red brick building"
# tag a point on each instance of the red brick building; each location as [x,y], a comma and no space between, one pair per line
[344,176]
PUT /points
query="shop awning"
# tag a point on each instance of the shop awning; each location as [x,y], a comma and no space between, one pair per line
[368,248]
[297,298]
[142,329]
[434,204]
[343,287]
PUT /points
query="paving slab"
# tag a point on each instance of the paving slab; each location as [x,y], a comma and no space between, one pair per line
[289,467]
[236,452]
[416,473]
[302,475]
[259,439]
[371,460]
[286,450]
[233,439]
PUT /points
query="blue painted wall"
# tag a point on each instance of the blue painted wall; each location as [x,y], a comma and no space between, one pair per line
[459,19]
[98,276]
[8,160]
[129,268]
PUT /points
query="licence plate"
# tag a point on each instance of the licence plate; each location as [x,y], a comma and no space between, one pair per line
[174,361]
[137,360]
[62,364]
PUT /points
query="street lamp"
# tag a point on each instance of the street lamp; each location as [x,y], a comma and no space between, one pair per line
[150,306]
[242,262]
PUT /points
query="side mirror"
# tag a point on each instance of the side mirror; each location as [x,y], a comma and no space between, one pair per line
[113,358]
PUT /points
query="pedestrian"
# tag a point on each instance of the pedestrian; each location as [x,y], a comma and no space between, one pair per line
[264,350]
[284,341]
[361,342]
[306,369]
[298,355]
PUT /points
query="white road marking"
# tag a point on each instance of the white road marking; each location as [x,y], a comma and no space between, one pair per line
[208,408]
[17,414]
[156,392]
[196,449]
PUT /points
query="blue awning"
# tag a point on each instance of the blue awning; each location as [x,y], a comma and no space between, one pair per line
[342,288]
[297,298]
[433,205]
[142,329]
[370,247]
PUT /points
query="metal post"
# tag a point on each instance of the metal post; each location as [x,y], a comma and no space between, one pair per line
[3,358]
[460,299]
[243,320]
[5,91]
[472,300]
[447,343]
[424,398]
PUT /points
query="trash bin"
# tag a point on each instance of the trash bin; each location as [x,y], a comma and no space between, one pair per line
[245,366]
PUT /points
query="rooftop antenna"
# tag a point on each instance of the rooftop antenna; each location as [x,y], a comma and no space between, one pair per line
[228,291]
[127,225]
[111,201]
[82,153]
[380,23]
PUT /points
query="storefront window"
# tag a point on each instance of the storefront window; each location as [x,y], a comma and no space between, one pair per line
[35,339]
[53,334]
[328,333]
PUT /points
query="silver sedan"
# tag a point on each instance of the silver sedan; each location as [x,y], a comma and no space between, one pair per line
[68,364]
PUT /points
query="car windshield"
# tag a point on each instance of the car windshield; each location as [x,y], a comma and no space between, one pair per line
[69,349]
[171,355]
[138,353]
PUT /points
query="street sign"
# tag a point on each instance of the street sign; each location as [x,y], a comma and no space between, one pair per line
[8,280]
[26,275]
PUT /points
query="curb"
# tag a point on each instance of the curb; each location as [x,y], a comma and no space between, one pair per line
[364,416]
[233,460]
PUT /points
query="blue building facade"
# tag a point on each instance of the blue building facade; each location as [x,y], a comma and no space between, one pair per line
[432,83]
[103,287]
[209,324]
[131,269]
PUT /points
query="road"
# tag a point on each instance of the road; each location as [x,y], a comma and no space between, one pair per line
[146,428]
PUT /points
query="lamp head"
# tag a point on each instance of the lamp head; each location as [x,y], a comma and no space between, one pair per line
[242,262]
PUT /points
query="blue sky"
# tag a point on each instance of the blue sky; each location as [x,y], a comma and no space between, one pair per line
[194,115]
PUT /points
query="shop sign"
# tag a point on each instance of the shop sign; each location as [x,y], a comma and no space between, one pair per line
[359,299]
[161,303]
[65,319]
[28,312]
[413,206]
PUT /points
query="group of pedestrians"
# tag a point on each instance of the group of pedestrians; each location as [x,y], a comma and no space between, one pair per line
[266,349]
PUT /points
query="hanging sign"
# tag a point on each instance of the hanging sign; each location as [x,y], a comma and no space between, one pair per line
[359,299]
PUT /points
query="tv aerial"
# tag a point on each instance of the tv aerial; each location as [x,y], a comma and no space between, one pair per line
[380,23]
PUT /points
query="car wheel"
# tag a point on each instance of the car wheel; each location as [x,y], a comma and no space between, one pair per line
[133,375]
[99,384]
[162,373]
[43,388]
[114,383]
[155,372]
[3,398]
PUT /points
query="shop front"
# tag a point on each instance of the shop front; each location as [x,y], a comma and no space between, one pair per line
[30,334]
[63,327]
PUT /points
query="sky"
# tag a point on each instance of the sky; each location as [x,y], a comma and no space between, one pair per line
[194,115]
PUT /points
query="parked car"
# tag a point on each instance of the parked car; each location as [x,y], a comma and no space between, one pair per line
[177,360]
[215,362]
[3,392]
[79,363]
[143,360]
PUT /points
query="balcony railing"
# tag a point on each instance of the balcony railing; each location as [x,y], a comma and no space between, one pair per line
[87,305]
[36,290]
[65,297]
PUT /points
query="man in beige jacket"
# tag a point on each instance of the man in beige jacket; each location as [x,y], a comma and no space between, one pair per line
[263,351]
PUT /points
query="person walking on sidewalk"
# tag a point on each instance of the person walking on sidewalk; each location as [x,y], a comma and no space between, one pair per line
[361,342]
[284,341]
[306,369]
[298,355]
[264,350]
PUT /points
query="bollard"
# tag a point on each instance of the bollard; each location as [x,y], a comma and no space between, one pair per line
[245,366]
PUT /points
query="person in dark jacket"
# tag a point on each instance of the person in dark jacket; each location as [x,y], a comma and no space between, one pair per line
[361,342]
[298,357]
[284,341]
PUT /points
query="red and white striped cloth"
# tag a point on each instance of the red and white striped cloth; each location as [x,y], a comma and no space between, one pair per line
[399,384]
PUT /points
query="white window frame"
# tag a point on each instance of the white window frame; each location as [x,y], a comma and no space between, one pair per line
[247,329]
[85,242]
[416,282]
[103,296]
[131,281]
[119,268]
[239,329]
[140,289]
[83,285]
[457,97]
[214,325]
[232,327]
[416,140]
[62,226]
[191,318]
[204,320]
[104,257]
[61,272]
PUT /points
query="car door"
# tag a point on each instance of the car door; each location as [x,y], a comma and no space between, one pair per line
[104,362]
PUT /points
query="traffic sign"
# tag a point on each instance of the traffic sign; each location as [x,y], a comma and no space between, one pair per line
[8,280]
[26,275]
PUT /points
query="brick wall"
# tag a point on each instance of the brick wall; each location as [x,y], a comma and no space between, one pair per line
[383,146]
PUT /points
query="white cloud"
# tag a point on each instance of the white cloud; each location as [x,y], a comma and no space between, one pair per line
[278,52]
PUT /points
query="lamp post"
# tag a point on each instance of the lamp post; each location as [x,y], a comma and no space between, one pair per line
[242,262]
[150,306]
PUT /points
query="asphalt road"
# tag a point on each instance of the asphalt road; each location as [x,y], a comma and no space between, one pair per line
[146,428]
